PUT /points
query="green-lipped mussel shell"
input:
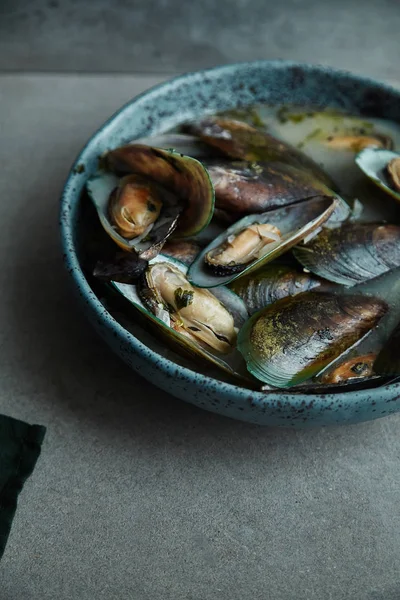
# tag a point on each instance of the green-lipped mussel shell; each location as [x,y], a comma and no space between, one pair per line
[354,253]
[232,363]
[274,282]
[295,223]
[183,176]
[101,186]
[373,162]
[295,338]
[241,141]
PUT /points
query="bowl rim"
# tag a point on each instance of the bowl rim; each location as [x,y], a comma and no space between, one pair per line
[170,368]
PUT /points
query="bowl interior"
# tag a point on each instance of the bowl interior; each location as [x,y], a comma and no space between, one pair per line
[169,104]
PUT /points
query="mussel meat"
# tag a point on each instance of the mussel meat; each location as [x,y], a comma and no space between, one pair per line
[356,143]
[194,312]
[166,193]
[241,248]
[274,282]
[353,253]
[295,338]
[258,239]
[356,368]
[241,141]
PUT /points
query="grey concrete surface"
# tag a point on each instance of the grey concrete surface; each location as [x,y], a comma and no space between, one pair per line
[175,35]
[139,496]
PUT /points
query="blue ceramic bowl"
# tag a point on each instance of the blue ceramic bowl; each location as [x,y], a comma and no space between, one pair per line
[158,110]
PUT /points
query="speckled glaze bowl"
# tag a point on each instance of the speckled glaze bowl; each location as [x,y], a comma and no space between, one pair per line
[163,107]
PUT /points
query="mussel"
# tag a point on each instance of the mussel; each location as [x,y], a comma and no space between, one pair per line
[134,206]
[382,167]
[353,253]
[243,188]
[192,311]
[274,282]
[295,338]
[242,248]
[258,239]
[166,193]
[241,141]
[191,320]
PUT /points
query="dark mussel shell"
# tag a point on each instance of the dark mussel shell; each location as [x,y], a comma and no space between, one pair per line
[183,250]
[243,188]
[296,338]
[124,267]
[150,303]
[241,141]
[274,282]
[101,189]
[352,254]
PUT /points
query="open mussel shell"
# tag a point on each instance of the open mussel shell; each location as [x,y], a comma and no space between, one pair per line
[182,176]
[378,166]
[226,313]
[295,338]
[241,141]
[294,223]
[274,282]
[353,253]
[243,188]
[102,188]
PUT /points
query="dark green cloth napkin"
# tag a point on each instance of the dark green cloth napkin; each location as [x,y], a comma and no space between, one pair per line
[20,445]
